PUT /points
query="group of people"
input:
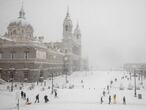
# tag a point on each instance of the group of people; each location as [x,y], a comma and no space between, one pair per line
[23,95]
[110,98]
[37,98]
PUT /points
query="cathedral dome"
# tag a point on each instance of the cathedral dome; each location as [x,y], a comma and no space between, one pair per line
[20,28]
[20,22]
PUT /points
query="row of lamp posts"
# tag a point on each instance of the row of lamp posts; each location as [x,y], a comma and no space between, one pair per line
[65,72]
[135,75]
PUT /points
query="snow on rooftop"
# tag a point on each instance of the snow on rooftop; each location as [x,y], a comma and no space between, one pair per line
[5,38]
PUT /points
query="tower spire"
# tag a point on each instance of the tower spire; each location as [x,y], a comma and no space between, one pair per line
[21,12]
[67,14]
[77,24]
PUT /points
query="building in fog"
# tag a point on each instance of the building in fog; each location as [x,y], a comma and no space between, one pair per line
[27,58]
[138,68]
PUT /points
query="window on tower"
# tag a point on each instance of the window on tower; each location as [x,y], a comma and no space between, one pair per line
[14,32]
[77,36]
[26,53]
[66,27]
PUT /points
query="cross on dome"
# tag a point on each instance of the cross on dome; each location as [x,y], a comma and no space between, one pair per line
[21,12]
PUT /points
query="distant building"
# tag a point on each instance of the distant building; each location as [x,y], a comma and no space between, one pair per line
[138,68]
[28,58]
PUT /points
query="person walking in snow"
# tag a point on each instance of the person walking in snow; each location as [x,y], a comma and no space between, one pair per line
[22,94]
[109,100]
[101,99]
[103,93]
[124,100]
[37,98]
[55,93]
[27,101]
[46,98]
[107,87]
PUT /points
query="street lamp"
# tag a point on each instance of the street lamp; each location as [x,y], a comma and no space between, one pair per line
[65,68]
[0,72]
[12,72]
[52,83]
[135,92]
[50,69]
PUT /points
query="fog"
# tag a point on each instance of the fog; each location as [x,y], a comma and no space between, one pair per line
[113,31]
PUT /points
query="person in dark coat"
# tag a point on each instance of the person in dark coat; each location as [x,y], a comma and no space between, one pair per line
[107,87]
[103,93]
[55,93]
[37,98]
[124,100]
[101,100]
[109,100]
[22,94]
[46,98]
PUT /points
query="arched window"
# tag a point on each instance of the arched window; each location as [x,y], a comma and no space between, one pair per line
[25,74]
[66,27]
[13,53]
[65,50]
[41,74]
[1,55]
[14,31]
[77,36]
[26,53]
[22,31]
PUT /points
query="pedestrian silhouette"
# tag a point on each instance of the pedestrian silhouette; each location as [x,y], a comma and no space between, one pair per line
[55,93]
[109,100]
[22,94]
[101,100]
[124,100]
[37,98]
[46,98]
[104,93]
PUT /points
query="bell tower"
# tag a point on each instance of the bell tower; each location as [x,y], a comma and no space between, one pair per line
[67,26]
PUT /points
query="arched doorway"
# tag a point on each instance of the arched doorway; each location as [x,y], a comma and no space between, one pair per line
[41,76]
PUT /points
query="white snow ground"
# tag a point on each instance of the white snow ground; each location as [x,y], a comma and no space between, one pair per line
[78,98]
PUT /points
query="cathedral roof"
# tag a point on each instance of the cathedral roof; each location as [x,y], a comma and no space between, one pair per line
[20,21]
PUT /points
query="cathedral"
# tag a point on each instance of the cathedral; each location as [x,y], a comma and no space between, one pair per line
[24,57]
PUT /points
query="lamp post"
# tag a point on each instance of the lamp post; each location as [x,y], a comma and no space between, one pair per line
[0,72]
[52,83]
[135,92]
[142,73]
[17,97]
[65,68]
[12,72]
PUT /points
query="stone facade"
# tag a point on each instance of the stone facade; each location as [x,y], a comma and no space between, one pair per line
[28,58]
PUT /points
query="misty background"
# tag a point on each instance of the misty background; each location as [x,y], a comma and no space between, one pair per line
[113,31]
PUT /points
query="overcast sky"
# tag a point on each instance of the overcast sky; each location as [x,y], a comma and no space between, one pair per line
[113,31]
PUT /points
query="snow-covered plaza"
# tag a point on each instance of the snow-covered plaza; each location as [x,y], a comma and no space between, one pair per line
[83,92]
